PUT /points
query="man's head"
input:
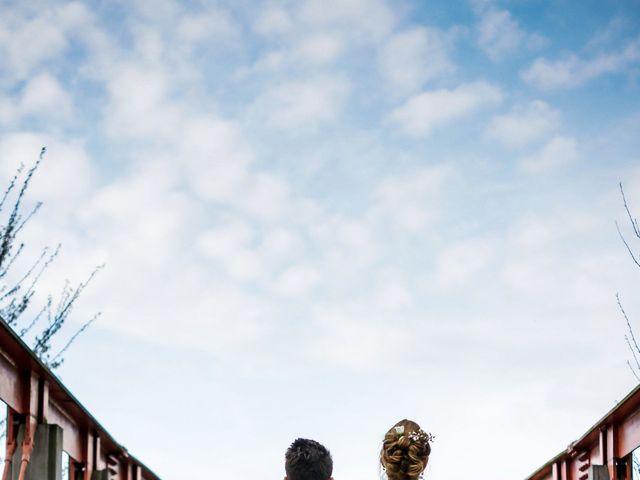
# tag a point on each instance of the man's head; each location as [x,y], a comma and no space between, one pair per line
[308,460]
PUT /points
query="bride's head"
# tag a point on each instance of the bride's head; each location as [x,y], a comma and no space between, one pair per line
[405,451]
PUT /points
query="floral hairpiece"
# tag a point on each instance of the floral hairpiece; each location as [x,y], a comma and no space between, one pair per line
[421,435]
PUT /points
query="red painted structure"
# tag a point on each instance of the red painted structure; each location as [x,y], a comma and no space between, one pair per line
[604,451]
[35,396]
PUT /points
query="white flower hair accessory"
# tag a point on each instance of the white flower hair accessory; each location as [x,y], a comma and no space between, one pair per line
[400,430]
[421,435]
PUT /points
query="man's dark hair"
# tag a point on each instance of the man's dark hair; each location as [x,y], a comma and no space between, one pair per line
[308,460]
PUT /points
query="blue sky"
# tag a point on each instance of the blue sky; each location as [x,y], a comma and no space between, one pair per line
[319,217]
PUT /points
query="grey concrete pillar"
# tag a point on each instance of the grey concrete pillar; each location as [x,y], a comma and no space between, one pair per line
[598,472]
[46,458]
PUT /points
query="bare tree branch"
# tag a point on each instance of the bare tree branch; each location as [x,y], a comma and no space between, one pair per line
[12,260]
[42,344]
[36,319]
[16,296]
[58,359]
[10,228]
[33,211]
[11,186]
[633,352]
[634,221]
[635,260]
[633,371]
[626,318]
[630,337]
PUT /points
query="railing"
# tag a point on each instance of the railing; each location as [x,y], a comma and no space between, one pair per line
[46,423]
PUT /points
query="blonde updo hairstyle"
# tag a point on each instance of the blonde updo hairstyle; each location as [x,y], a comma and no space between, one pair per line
[405,451]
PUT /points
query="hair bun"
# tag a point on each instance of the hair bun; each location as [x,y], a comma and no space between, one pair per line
[405,450]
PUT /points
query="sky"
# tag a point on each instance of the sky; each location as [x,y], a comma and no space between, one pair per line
[320,217]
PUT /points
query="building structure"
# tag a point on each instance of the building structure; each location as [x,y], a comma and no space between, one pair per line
[610,450]
[44,419]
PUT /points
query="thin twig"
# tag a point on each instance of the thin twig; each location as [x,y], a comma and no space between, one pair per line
[11,262]
[634,372]
[69,296]
[626,318]
[635,357]
[635,260]
[18,284]
[11,186]
[56,361]
[31,214]
[634,221]
[46,308]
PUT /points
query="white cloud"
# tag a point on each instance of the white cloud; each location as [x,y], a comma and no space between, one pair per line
[272,21]
[420,114]
[156,13]
[412,57]
[142,217]
[148,44]
[348,246]
[230,246]
[547,256]
[7,110]
[280,242]
[138,104]
[296,280]
[44,96]
[215,157]
[357,337]
[66,174]
[213,25]
[35,34]
[499,34]
[318,48]
[316,33]
[74,15]
[393,294]
[195,260]
[265,196]
[224,240]
[26,45]
[572,71]
[272,60]
[366,20]
[524,124]
[611,34]
[308,50]
[306,104]
[534,234]
[457,264]
[217,161]
[41,97]
[559,151]
[411,201]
